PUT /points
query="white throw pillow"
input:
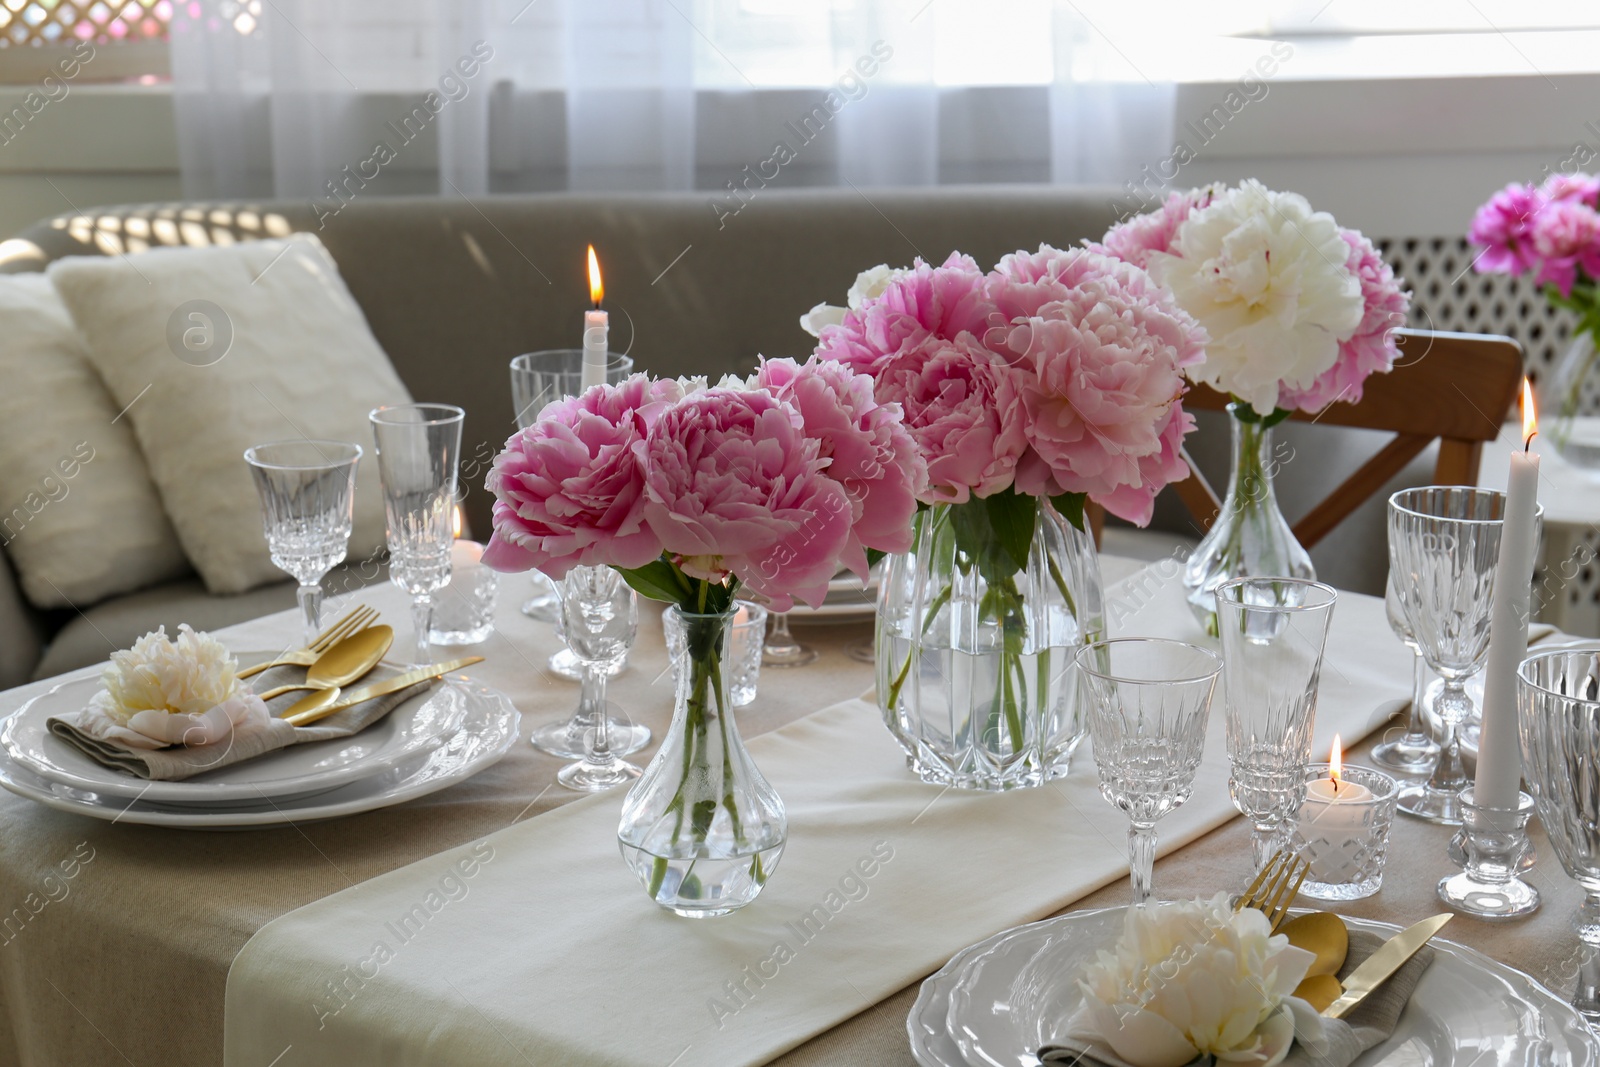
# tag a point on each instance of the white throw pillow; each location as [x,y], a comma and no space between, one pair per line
[217,349]
[79,515]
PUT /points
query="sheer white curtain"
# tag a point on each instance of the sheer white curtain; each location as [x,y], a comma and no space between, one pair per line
[333,99]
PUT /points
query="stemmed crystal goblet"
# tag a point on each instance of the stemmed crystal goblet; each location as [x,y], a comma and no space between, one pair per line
[782,648]
[1273,632]
[419,448]
[1444,547]
[537,380]
[1148,702]
[1415,753]
[307,509]
[1558,714]
[601,616]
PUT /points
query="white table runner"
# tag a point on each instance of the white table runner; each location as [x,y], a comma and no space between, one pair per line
[537,946]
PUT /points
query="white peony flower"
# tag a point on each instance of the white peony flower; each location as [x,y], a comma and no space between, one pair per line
[868,285]
[1196,978]
[1266,277]
[184,691]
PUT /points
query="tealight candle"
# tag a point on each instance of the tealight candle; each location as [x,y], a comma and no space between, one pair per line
[1343,828]
[464,611]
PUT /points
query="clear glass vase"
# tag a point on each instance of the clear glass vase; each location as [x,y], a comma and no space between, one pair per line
[701,828]
[975,656]
[1251,538]
[1569,403]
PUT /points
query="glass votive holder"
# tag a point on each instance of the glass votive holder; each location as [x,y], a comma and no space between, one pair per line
[742,661]
[1342,830]
[463,611]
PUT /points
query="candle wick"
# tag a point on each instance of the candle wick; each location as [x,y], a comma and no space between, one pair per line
[1528,442]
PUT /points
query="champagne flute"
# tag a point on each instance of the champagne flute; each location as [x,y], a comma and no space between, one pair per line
[307,509]
[419,447]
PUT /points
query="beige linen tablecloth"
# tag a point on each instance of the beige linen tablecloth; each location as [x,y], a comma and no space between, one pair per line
[116,940]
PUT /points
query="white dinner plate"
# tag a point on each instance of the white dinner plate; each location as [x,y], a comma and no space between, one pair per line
[420,723]
[847,600]
[488,728]
[998,1001]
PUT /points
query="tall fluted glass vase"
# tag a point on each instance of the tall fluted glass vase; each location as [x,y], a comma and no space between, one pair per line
[1251,538]
[978,627]
[701,828]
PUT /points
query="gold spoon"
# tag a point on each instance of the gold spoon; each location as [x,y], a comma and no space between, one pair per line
[344,662]
[1324,935]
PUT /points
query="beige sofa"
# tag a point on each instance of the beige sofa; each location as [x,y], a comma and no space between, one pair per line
[453,289]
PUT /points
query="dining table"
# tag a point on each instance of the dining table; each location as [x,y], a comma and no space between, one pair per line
[127,961]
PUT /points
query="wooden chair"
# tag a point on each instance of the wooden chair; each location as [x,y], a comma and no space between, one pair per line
[1456,388]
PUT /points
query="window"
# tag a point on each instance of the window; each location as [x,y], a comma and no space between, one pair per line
[49,22]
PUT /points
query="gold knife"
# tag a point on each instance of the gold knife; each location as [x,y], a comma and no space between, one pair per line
[341,699]
[1378,967]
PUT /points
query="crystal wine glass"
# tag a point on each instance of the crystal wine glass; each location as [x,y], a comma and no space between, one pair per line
[1273,632]
[537,380]
[782,649]
[1415,753]
[601,615]
[1558,712]
[1444,547]
[1148,702]
[419,446]
[307,499]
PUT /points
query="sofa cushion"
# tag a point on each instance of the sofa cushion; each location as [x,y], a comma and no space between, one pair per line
[81,520]
[215,349]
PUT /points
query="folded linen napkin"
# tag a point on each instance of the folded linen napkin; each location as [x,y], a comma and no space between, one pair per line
[1343,1039]
[95,734]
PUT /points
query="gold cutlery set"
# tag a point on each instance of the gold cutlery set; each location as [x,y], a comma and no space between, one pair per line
[1325,936]
[344,653]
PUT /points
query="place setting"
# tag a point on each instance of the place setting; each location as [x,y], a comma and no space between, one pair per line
[178,731]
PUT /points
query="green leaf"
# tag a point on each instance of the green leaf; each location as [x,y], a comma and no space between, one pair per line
[1012,516]
[657,580]
[874,555]
[1071,505]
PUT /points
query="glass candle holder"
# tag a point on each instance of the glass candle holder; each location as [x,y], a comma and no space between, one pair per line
[463,613]
[1344,833]
[743,661]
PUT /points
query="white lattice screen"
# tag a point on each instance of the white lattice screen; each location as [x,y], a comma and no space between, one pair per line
[37,22]
[1448,295]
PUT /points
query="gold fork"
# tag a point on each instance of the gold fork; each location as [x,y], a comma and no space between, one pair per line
[354,620]
[1274,889]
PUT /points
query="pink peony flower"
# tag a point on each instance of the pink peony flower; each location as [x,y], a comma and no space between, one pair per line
[868,450]
[1153,231]
[1566,236]
[1580,187]
[1100,348]
[569,490]
[941,302]
[734,486]
[961,407]
[1504,228]
[1371,349]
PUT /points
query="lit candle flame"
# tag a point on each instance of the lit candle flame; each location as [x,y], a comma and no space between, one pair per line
[597,289]
[1530,415]
[1336,763]
[457,526]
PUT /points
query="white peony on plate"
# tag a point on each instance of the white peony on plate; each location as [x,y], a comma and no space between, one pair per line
[486,730]
[417,725]
[996,1002]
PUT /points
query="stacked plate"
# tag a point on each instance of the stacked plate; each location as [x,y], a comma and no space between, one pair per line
[435,739]
[998,1001]
[848,600]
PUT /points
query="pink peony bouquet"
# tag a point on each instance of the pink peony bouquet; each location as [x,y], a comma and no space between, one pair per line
[1058,374]
[1299,309]
[691,492]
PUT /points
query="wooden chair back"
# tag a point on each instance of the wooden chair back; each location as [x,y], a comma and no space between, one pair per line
[1456,388]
